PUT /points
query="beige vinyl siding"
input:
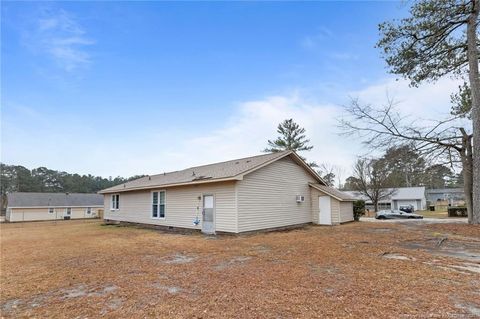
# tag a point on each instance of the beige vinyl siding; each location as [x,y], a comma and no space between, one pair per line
[30,214]
[267,197]
[181,206]
[334,206]
[314,193]
[36,214]
[346,212]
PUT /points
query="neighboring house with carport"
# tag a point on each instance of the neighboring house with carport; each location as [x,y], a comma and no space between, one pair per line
[400,196]
[25,206]
[268,191]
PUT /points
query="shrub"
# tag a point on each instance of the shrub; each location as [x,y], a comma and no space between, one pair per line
[457,212]
[358,209]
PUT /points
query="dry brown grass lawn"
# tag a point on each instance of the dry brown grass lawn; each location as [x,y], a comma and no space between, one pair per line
[357,270]
[434,214]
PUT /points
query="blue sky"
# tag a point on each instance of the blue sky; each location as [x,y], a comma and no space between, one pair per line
[124,88]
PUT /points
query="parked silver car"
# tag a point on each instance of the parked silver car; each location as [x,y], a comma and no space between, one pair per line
[396,214]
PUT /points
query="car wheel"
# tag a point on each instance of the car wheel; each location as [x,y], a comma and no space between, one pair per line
[411,217]
[381,217]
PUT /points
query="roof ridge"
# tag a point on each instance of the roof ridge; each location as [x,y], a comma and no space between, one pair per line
[215,171]
[216,163]
[61,193]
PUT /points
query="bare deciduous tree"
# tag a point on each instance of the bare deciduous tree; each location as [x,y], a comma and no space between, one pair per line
[438,39]
[370,178]
[440,142]
[332,174]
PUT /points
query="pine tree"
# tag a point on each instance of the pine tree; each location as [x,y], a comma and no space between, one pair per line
[292,138]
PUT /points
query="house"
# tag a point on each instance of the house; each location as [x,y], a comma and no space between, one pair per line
[23,206]
[261,192]
[400,196]
[454,196]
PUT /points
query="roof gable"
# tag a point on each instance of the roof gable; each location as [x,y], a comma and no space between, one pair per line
[409,193]
[216,172]
[335,193]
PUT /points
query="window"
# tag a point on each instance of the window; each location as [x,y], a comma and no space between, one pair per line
[51,210]
[115,204]
[68,211]
[158,204]
[89,210]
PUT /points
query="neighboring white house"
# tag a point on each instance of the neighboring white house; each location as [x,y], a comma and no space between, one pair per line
[454,196]
[401,196]
[260,192]
[22,206]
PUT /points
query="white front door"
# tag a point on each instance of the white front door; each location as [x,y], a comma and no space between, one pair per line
[325,208]
[208,214]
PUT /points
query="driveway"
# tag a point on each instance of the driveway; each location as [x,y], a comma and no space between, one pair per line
[417,221]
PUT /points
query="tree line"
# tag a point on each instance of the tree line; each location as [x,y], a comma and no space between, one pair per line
[403,166]
[16,178]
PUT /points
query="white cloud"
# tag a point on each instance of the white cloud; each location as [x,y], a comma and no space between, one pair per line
[314,40]
[344,56]
[317,43]
[57,34]
[244,133]
[247,131]
[428,101]
[80,147]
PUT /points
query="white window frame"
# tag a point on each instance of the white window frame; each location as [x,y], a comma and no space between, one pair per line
[52,210]
[66,211]
[117,202]
[88,210]
[158,204]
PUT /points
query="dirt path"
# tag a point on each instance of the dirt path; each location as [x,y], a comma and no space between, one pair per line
[357,270]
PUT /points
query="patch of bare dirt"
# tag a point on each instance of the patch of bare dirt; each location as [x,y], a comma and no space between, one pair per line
[396,256]
[463,229]
[235,261]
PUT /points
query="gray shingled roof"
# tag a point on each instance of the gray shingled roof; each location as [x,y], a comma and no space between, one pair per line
[400,193]
[21,199]
[444,190]
[200,174]
[342,196]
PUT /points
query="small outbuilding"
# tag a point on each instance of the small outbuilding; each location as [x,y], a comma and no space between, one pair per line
[267,191]
[26,206]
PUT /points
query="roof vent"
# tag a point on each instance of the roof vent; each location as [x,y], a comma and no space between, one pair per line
[248,161]
[237,162]
[193,173]
[201,177]
[124,185]
[149,177]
